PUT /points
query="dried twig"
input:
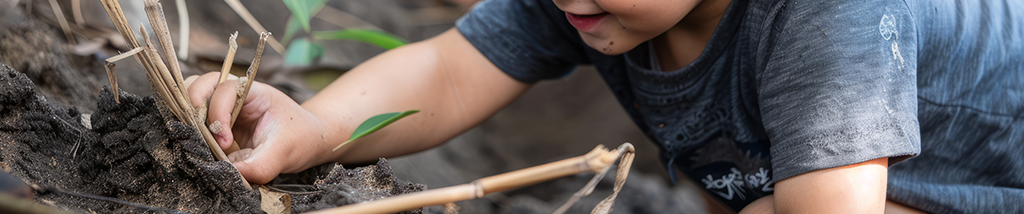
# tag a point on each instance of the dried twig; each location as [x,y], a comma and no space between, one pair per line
[159,23]
[112,72]
[183,29]
[596,160]
[244,13]
[229,59]
[63,21]
[245,83]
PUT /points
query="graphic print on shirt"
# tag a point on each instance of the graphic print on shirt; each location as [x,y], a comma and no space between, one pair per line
[889,29]
[748,176]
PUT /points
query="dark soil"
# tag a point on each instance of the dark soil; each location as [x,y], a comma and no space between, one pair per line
[34,48]
[126,158]
[335,185]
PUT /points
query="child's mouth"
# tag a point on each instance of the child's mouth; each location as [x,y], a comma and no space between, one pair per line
[585,23]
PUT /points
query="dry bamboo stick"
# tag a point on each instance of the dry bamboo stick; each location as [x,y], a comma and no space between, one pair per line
[183,29]
[63,21]
[155,12]
[244,84]
[229,59]
[176,98]
[225,71]
[249,19]
[596,160]
[112,72]
[113,8]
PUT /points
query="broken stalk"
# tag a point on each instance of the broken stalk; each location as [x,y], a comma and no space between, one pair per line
[229,58]
[112,72]
[597,160]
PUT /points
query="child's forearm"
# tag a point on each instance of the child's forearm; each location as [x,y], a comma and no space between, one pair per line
[446,78]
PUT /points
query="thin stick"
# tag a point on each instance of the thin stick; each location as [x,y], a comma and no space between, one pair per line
[229,59]
[245,84]
[112,73]
[625,162]
[76,10]
[155,11]
[244,13]
[183,30]
[344,19]
[63,21]
[595,161]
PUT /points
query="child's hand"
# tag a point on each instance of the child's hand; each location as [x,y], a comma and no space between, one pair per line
[275,133]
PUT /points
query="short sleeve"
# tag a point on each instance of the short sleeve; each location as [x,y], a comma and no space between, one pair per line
[838,84]
[529,40]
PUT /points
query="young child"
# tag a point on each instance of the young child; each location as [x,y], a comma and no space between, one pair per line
[772,106]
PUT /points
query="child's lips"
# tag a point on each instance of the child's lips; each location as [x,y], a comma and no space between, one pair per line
[585,23]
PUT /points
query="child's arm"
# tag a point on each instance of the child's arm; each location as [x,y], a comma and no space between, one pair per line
[854,188]
[445,77]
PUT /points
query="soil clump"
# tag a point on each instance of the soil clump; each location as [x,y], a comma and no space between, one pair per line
[126,158]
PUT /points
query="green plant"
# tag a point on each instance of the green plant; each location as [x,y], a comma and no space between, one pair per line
[302,52]
[376,123]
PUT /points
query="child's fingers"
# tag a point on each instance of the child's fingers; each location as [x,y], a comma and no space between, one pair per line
[222,102]
[200,88]
[262,164]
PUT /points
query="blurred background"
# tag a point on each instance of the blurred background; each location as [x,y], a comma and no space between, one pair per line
[556,119]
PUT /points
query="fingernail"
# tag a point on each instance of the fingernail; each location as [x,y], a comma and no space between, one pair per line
[216,127]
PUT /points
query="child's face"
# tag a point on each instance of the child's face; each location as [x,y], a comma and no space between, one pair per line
[616,26]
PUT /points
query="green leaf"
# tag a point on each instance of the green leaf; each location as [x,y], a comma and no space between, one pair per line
[303,10]
[376,123]
[302,52]
[379,38]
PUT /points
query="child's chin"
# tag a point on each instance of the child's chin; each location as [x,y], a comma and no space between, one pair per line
[608,46]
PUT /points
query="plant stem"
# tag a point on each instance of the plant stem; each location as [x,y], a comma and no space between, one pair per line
[229,59]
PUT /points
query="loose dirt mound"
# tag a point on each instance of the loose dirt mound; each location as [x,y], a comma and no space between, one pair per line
[131,160]
[126,158]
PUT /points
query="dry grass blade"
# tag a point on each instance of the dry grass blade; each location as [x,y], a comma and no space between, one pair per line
[229,58]
[244,13]
[112,72]
[63,21]
[597,160]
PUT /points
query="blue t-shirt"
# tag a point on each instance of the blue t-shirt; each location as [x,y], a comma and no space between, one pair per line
[790,86]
